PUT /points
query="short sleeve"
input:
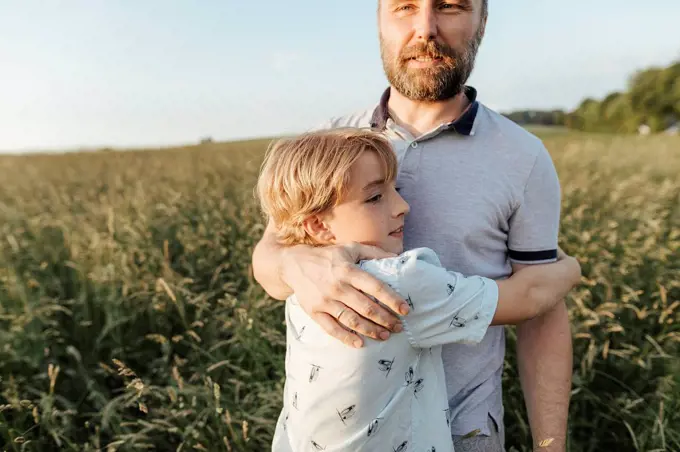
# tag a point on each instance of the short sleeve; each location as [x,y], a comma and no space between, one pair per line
[534,226]
[325,125]
[446,307]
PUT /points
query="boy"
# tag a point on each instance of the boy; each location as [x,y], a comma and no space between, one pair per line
[338,186]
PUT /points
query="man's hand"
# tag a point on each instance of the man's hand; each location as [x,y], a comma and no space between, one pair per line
[335,293]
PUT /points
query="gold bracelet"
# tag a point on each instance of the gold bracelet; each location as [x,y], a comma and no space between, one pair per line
[546,442]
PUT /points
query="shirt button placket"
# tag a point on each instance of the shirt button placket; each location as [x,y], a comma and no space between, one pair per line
[411,161]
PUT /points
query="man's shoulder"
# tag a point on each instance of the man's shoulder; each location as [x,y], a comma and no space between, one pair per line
[509,133]
[358,118]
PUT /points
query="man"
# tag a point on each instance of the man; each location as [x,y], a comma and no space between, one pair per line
[484,196]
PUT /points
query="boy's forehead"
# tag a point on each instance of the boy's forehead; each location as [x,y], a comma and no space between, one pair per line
[367,171]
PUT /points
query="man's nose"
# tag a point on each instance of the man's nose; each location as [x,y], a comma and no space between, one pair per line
[426,22]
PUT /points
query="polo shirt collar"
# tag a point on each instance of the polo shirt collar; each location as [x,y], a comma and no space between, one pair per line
[462,125]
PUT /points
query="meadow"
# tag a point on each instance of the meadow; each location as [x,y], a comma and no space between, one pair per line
[130,320]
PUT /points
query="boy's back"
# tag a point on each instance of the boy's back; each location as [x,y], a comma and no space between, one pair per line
[387,395]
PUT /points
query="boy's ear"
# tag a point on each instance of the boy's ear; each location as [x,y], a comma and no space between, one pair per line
[317,228]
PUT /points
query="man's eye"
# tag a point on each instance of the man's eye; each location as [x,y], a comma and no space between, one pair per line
[374,199]
[405,8]
[451,6]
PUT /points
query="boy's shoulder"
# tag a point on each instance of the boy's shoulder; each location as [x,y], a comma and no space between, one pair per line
[400,265]
[394,270]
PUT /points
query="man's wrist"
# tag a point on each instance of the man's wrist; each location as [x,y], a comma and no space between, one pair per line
[288,264]
[550,445]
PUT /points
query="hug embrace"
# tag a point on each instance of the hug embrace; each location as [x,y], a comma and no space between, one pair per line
[403,238]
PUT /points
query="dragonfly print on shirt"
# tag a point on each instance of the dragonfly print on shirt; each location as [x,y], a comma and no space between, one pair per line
[409,301]
[457,322]
[347,413]
[374,426]
[447,413]
[409,376]
[298,336]
[317,446]
[314,373]
[418,386]
[385,365]
[401,447]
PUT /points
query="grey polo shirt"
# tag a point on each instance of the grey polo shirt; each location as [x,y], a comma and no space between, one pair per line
[483,193]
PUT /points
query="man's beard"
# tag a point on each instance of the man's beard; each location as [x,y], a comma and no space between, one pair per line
[436,83]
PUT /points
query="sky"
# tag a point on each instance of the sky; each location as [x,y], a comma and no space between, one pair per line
[128,73]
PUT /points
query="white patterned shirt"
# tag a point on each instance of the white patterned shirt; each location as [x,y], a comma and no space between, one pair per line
[389,395]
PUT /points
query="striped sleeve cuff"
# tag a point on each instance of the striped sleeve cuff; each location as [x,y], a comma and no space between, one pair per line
[533,257]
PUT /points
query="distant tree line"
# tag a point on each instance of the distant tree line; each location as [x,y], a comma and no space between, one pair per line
[538,117]
[651,100]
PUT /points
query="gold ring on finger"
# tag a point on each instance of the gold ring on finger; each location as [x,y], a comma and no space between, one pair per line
[340,313]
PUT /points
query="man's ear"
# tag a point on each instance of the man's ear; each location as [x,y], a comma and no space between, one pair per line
[482,25]
[318,229]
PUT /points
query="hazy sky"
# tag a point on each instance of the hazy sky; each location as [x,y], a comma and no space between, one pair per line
[152,72]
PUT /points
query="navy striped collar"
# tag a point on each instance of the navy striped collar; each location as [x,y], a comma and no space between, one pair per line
[462,125]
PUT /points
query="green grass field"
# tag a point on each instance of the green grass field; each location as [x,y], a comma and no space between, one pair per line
[129,317]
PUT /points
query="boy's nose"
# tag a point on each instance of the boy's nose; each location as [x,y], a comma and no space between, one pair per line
[402,206]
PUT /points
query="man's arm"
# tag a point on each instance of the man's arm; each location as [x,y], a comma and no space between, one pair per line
[267,268]
[326,283]
[545,360]
[544,348]
[536,290]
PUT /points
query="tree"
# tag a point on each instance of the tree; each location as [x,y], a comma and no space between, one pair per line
[652,98]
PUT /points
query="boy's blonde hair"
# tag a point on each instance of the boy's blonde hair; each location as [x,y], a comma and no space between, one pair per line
[309,175]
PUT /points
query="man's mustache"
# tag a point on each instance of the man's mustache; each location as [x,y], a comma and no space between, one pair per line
[431,49]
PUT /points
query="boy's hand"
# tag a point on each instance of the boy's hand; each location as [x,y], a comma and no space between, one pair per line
[329,288]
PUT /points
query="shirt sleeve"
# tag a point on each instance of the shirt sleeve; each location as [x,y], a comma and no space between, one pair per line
[446,307]
[328,124]
[534,226]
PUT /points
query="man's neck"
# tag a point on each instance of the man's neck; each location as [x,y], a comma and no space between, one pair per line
[421,117]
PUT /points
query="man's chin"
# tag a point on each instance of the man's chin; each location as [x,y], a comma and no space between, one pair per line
[426,93]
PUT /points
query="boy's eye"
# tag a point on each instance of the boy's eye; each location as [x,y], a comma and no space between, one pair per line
[375,198]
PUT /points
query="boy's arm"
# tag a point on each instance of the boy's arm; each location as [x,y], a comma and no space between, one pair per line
[448,307]
[325,280]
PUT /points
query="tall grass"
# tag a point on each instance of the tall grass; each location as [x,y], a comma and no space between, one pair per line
[129,318]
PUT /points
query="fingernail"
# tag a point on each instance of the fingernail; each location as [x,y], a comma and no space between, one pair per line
[384,335]
[357,343]
[404,309]
[398,328]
